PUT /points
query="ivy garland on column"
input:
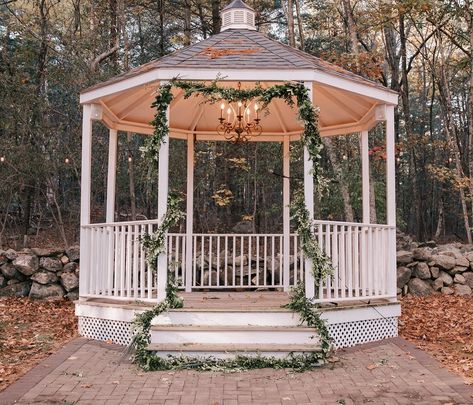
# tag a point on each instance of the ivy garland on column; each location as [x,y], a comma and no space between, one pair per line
[293,94]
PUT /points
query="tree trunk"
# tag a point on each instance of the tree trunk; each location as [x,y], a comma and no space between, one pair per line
[341,181]
[290,23]
[187,22]
[470,114]
[299,24]
[352,31]
[131,177]
[215,16]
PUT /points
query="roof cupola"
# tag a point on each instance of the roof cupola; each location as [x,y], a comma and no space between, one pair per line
[238,15]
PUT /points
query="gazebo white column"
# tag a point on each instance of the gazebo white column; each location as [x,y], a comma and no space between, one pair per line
[365,176]
[85,194]
[112,174]
[309,202]
[163,186]
[189,210]
[391,196]
[286,213]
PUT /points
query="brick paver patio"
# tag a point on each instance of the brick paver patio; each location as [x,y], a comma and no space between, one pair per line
[388,372]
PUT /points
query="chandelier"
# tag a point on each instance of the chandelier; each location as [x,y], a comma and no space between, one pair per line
[241,122]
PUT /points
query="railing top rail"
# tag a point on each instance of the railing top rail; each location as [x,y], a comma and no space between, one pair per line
[357,224]
[115,224]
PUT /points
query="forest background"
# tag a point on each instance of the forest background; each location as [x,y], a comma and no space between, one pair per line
[50,50]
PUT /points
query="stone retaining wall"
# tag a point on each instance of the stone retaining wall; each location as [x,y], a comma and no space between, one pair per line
[428,269]
[40,273]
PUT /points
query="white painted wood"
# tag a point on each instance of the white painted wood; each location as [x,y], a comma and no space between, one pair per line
[189,210]
[309,202]
[163,186]
[286,213]
[86,180]
[391,196]
[195,73]
[365,176]
[111,175]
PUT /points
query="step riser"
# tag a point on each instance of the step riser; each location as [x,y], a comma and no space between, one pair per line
[235,337]
[222,355]
[283,318]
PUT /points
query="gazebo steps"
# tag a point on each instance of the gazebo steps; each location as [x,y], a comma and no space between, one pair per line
[234,334]
[228,350]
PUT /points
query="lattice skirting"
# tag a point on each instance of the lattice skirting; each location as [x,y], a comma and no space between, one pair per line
[349,334]
[118,332]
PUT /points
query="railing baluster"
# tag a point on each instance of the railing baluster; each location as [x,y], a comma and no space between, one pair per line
[257,260]
[349,255]
[218,260]
[226,261]
[328,252]
[234,263]
[341,260]
[194,263]
[273,283]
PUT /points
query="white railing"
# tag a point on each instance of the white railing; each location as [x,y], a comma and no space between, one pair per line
[115,264]
[243,261]
[360,258]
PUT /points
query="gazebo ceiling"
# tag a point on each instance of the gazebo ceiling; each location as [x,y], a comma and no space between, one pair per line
[347,102]
[337,108]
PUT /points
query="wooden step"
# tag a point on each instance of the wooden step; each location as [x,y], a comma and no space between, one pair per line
[224,328]
[231,348]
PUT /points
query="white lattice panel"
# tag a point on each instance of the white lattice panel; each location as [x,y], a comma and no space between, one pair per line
[117,332]
[349,334]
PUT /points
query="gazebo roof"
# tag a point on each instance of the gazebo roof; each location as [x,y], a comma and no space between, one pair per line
[348,102]
[243,49]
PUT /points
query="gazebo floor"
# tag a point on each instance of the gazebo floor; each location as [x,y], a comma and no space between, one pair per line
[235,301]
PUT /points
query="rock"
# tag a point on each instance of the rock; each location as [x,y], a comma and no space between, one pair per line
[70,281]
[423,253]
[434,271]
[73,295]
[461,289]
[446,278]
[64,259]
[3,281]
[42,252]
[70,267]
[44,277]
[50,264]
[437,284]
[412,264]
[26,264]
[430,244]
[398,291]
[420,287]
[447,290]
[40,291]
[422,271]
[10,254]
[462,262]
[3,258]
[13,281]
[469,256]
[9,271]
[457,269]
[405,290]
[468,278]
[16,290]
[444,261]
[73,253]
[403,257]
[459,279]
[403,276]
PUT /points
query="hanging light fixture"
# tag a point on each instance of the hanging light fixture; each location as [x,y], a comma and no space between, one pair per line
[239,123]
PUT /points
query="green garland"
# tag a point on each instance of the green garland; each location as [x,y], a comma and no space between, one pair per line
[321,264]
[154,244]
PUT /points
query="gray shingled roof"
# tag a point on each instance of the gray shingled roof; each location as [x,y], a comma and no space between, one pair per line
[240,49]
[237,4]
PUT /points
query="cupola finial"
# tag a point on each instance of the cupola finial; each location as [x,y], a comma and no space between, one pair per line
[238,15]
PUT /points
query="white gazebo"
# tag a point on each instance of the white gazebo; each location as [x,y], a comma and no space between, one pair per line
[223,275]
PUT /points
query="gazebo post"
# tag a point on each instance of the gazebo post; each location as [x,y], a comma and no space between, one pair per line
[391,197]
[189,210]
[309,202]
[163,185]
[286,212]
[365,176]
[111,175]
[85,194]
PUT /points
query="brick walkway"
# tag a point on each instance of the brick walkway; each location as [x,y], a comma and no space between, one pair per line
[389,372]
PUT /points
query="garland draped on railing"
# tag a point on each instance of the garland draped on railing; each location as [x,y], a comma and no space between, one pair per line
[293,93]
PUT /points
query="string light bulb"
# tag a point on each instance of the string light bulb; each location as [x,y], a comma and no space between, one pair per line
[2,159]
[66,161]
[130,158]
